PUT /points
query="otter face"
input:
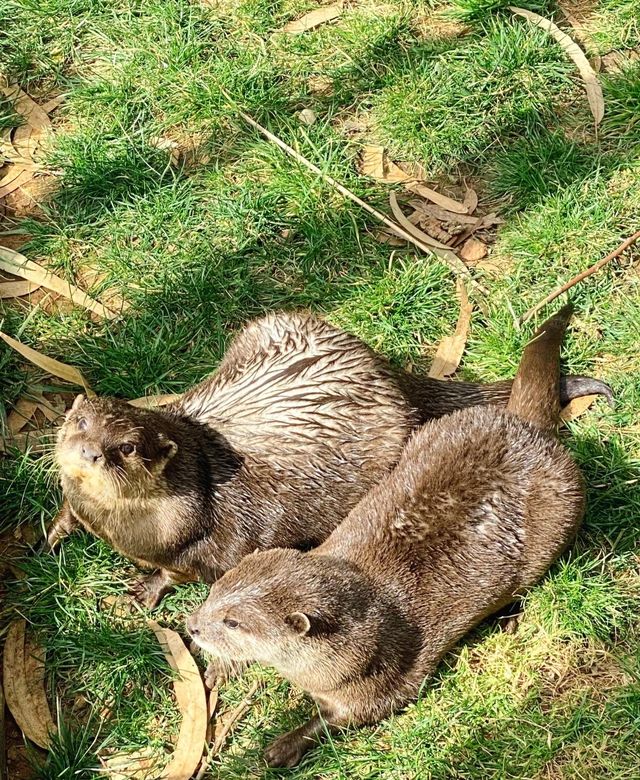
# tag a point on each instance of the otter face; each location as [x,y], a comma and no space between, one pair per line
[107,450]
[253,613]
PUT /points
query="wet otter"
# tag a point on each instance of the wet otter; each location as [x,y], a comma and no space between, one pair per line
[298,422]
[478,507]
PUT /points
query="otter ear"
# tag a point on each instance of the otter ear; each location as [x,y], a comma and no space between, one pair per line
[168,447]
[299,622]
[78,401]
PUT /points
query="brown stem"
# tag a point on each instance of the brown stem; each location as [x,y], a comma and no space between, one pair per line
[579,277]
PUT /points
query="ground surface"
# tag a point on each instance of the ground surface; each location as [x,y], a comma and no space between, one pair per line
[228,228]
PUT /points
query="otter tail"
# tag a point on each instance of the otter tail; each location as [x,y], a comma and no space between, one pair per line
[535,394]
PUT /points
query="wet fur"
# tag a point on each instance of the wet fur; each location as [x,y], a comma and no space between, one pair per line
[299,421]
[478,507]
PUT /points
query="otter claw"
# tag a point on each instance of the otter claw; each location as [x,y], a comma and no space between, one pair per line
[149,591]
[287,750]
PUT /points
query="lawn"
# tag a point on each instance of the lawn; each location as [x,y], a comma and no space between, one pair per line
[158,194]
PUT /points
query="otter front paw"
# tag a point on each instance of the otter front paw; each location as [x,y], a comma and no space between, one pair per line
[288,749]
[65,523]
[150,589]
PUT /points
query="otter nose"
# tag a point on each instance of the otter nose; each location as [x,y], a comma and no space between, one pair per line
[192,626]
[91,453]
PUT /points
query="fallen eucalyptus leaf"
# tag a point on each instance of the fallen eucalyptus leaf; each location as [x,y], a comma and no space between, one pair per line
[576,407]
[572,50]
[24,105]
[50,365]
[20,415]
[17,264]
[16,177]
[192,701]
[451,348]
[314,18]
[470,200]
[151,401]
[17,289]
[23,679]
[410,227]
[443,201]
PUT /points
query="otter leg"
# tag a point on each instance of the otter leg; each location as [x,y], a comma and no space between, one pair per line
[218,671]
[289,749]
[65,523]
[152,588]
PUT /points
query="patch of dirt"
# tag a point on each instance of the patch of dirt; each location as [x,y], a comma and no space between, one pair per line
[437,26]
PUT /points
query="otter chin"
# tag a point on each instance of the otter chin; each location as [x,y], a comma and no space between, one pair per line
[105,455]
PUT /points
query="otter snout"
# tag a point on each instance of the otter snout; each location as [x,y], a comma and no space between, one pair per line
[90,452]
[193,626]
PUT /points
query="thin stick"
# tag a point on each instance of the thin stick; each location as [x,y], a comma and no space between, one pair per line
[572,282]
[456,265]
[230,721]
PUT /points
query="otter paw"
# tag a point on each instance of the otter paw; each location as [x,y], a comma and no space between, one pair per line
[216,673]
[149,591]
[287,750]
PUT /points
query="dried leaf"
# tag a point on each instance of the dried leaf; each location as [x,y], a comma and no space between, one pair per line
[23,679]
[20,415]
[51,366]
[451,348]
[151,401]
[137,765]
[32,441]
[435,197]
[53,103]
[314,19]
[17,289]
[572,50]
[576,407]
[470,200]
[27,107]
[473,251]
[16,177]
[192,701]
[442,214]
[16,263]
[410,227]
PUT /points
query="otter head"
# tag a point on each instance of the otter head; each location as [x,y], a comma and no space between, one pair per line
[109,450]
[279,607]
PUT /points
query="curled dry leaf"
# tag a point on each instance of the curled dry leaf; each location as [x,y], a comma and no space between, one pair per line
[572,50]
[451,348]
[51,366]
[470,201]
[374,163]
[151,401]
[17,264]
[15,178]
[23,680]
[313,19]
[409,226]
[191,697]
[577,407]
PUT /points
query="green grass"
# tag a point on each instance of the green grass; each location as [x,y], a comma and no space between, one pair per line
[235,229]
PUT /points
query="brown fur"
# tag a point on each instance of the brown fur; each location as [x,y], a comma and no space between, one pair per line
[299,421]
[478,507]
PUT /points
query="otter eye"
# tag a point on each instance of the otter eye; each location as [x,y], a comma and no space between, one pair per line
[127,448]
[231,623]
[82,424]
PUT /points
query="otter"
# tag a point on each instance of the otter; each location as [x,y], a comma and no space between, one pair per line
[478,507]
[299,421]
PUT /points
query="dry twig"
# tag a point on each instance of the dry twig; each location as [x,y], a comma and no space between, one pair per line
[232,718]
[579,277]
[456,265]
